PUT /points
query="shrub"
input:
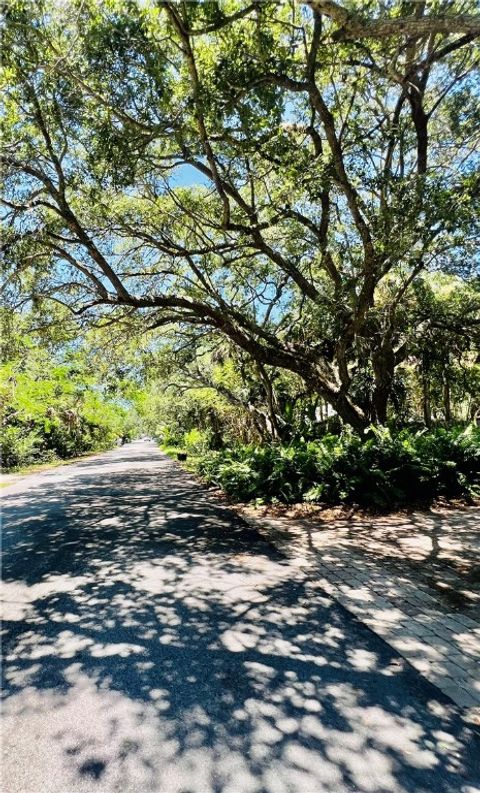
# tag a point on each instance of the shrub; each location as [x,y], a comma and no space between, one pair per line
[168,437]
[197,440]
[382,470]
[19,446]
[44,430]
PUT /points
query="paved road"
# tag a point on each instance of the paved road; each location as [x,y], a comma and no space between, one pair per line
[155,644]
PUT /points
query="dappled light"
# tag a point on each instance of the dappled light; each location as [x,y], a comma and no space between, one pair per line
[246,234]
[412,578]
[154,642]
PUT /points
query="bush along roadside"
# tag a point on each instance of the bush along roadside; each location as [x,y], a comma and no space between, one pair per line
[382,470]
[59,425]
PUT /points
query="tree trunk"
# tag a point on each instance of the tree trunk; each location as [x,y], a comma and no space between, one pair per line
[427,409]
[420,120]
[270,399]
[383,362]
[348,412]
[447,405]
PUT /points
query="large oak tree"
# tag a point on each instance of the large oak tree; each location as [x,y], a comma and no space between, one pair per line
[280,173]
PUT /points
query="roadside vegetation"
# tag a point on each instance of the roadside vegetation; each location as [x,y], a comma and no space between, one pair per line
[384,471]
[275,444]
[260,436]
[256,226]
[54,405]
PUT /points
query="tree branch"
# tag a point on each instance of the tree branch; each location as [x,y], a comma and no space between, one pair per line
[354,27]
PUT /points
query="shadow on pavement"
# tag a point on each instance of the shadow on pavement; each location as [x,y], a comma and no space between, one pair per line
[154,642]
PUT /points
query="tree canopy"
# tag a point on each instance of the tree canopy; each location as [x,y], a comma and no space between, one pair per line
[282,175]
[60,395]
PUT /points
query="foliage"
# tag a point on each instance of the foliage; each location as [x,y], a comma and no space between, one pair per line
[20,446]
[263,221]
[53,406]
[197,390]
[384,470]
[210,386]
[270,173]
[197,440]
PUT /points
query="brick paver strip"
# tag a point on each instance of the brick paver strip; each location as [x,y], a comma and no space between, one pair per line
[442,646]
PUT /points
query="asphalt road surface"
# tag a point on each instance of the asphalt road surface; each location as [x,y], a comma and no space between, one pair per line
[155,644]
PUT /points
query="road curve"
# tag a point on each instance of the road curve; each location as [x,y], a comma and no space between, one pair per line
[153,643]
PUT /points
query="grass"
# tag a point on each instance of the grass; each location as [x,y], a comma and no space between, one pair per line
[172,451]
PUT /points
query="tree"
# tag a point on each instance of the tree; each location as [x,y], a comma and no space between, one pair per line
[281,174]
[53,402]
[443,346]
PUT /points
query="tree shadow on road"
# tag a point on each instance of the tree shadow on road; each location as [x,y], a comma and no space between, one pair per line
[156,643]
[440,550]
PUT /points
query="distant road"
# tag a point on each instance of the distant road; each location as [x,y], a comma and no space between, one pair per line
[156,644]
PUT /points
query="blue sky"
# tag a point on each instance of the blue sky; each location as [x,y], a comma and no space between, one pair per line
[188,176]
